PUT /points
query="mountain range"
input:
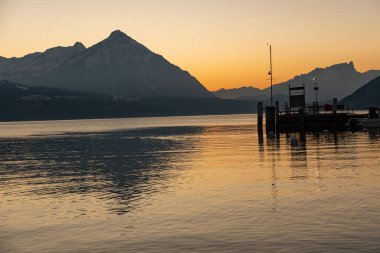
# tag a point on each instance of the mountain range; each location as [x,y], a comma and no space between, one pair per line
[242,93]
[120,77]
[118,66]
[336,81]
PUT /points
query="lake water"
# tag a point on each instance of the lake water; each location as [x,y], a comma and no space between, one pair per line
[185,184]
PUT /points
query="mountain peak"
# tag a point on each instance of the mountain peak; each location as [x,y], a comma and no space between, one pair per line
[79,45]
[117,65]
[117,34]
[118,38]
[344,66]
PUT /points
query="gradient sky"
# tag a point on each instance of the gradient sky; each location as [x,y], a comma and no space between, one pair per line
[221,42]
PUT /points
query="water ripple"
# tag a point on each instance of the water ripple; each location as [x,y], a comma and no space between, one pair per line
[202,184]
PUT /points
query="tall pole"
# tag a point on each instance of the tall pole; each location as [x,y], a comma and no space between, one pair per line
[271,76]
[316,96]
[316,88]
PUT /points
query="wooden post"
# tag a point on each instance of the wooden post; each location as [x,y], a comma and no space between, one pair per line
[335,104]
[286,107]
[302,118]
[260,115]
[277,111]
[270,118]
[277,105]
[315,108]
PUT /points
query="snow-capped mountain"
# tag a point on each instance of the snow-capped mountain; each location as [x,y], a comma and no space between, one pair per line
[117,65]
[37,64]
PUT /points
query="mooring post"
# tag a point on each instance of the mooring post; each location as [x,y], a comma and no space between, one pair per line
[335,105]
[302,118]
[287,110]
[277,111]
[277,105]
[260,115]
[270,118]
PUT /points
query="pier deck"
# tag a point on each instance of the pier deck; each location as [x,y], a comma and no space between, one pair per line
[314,121]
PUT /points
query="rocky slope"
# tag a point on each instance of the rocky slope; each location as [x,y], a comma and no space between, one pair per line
[367,95]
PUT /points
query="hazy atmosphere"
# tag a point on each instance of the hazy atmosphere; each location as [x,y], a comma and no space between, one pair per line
[221,42]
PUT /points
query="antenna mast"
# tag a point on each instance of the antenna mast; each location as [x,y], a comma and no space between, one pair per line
[271,75]
[316,88]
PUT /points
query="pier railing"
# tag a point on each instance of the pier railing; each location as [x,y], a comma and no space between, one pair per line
[310,117]
[315,109]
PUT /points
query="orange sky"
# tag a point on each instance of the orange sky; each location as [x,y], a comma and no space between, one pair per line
[221,42]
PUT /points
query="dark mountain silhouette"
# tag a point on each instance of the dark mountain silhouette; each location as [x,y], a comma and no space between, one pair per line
[247,93]
[367,95]
[16,91]
[337,81]
[117,65]
[250,93]
[21,102]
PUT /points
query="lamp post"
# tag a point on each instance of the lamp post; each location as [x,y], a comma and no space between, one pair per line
[315,104]
[316,88]
[271,75]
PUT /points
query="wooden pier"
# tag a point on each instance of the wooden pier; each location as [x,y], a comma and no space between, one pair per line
[297,115]
[315,121]
[308,118]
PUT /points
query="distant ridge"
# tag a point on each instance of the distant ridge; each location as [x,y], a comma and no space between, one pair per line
[18,92]
[239,93]
[22,102]
[367,95]
[338,81]
[118,66]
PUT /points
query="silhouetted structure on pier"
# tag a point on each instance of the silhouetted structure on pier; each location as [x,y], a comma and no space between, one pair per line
[297,115]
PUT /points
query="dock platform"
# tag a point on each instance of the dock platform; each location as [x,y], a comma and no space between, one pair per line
[308,118]
[314,121]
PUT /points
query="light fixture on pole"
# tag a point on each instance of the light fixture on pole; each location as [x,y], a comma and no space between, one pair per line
[271,75]
[316,88]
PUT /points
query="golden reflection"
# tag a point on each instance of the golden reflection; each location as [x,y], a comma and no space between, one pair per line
[299,163]
[211,183]
[274,149]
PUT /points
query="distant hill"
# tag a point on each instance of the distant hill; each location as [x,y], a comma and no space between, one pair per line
[247,92]
[21,102]
[15,91]
[117,65]
[367,95]
[337,81]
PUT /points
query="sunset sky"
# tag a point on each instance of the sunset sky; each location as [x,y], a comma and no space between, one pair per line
[220,42]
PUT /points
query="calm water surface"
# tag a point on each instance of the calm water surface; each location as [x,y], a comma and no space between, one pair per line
[185,184]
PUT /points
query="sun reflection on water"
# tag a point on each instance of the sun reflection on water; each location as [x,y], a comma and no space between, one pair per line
[208,187]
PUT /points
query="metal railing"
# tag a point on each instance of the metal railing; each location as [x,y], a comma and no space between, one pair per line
[314,109]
